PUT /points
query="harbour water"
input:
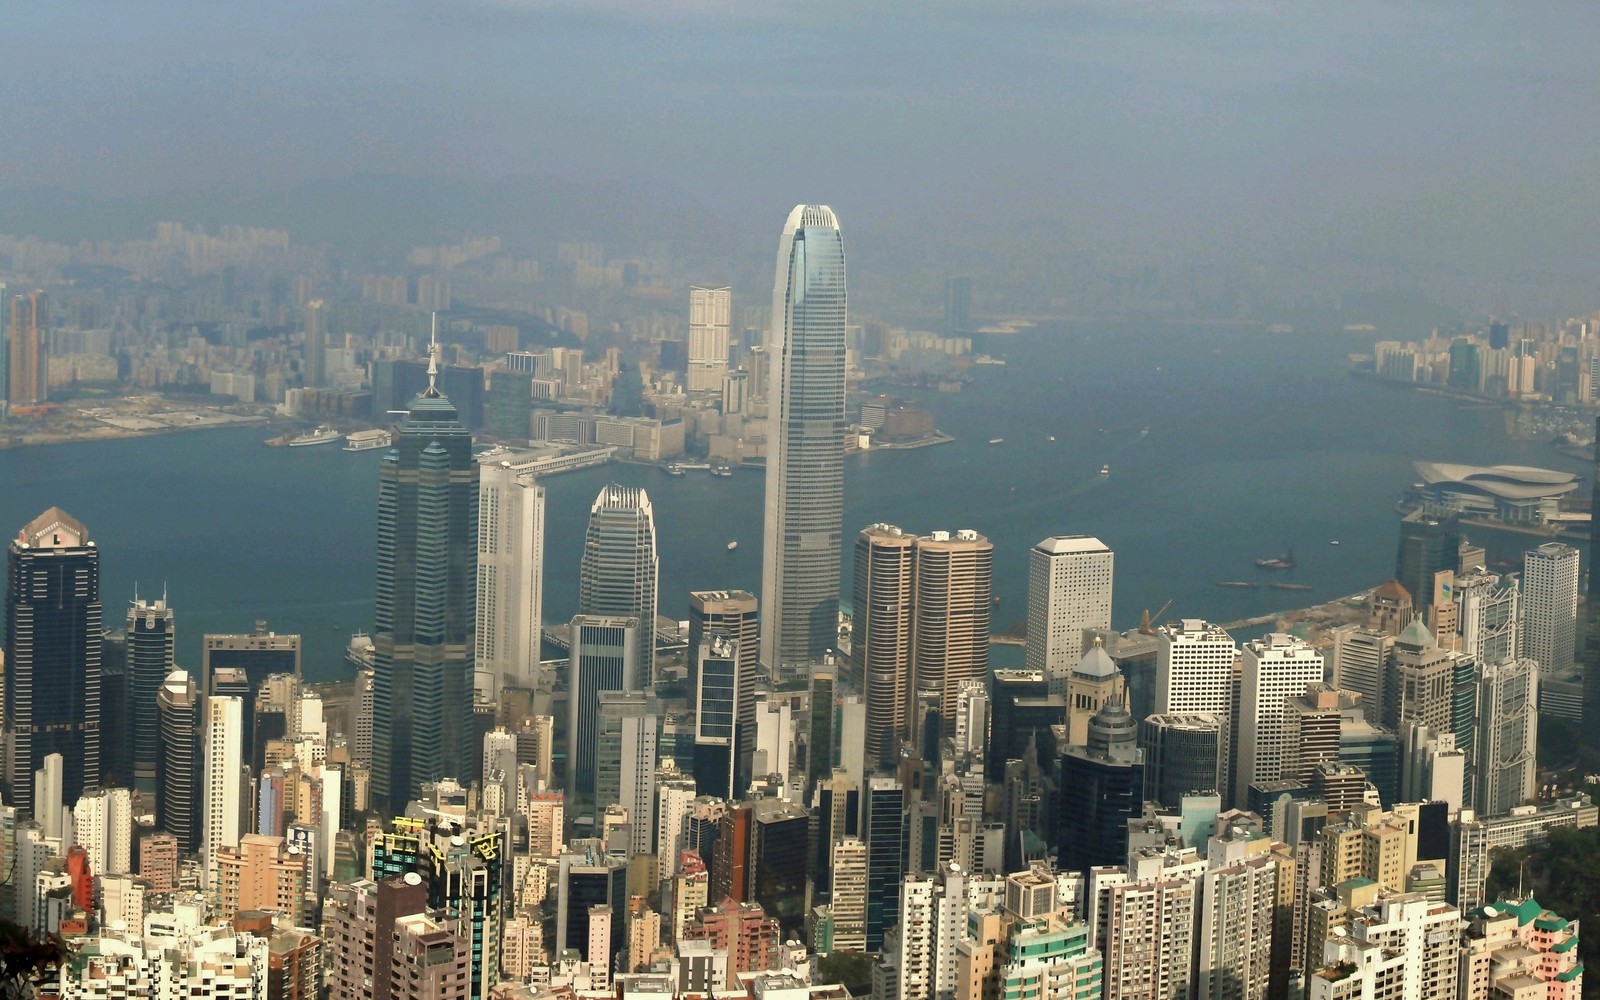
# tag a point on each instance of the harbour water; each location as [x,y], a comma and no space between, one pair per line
[1256,442]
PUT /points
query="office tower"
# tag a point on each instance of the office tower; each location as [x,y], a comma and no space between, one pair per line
[1490,619]
[116,722]
[604,656]
[778,837]
[586,880]
[463,872]
[618,575]
[880,640]
[805,451]
[28,361]
[716,702]
[150,641]
[103,823]
[223,722]
[1389,609]
[625,763]
[1021,714]
[1183,755]
[958,305]
[510,573]
[261,655]
[1194,669]
[1360,659]
[736,613]
[1090,685]
[710,312]
[883,809]
[315,368]
[820,727]
[836,804]
[847,900]
[1550,606]
[5,350]
[952,607]
[1274,668]
[1102,787]
[1069,590]
[52,655]
[1507,739]
[426,592]
[1420,683]
[1429,543]
[179,774]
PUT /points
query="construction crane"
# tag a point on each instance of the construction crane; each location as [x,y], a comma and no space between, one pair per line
[1147,620]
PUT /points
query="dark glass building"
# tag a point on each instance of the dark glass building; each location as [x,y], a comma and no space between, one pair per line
[1102,787]
[150,637]
[603,653]
[1183,755]
[1428,544]
[53,633]
[886,855]
[716,714]
[179,774]
[426,585]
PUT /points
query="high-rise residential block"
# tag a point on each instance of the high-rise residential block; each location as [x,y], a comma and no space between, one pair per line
[27,336]
[222,722]
[710,316]
[52,644]
[150,638]
[427,573]
[510,572]
[1275,668]
[1069,590]
[1550,606]
[619,572]
[805,442]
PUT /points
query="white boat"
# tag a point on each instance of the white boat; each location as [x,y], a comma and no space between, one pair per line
[1105,470]
[322,435]
[997,440]
[366,440]
[733,545]
[1052,438]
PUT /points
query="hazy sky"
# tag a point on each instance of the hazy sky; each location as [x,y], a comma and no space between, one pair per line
[1463,132]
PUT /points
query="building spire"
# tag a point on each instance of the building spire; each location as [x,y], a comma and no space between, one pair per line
[433,358]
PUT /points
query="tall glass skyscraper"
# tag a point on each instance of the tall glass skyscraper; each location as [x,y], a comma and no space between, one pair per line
[52,652]
[150,639]
[619,571]
[805,442]
[426,586]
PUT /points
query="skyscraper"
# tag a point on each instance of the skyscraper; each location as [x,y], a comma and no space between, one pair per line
[736,613]
[950,637]
[1069,590]
[604,651]
[178,776]
[1550,606]
[1183,755]
[710,312]
[1275,668]
[52,655]
[27,364]
[717,702]
[315,369]
[426,591]
[150,640]
[880,640]
[223,723]
[510,572]
[1508,731]
[619,572]
[1428,545]
[805,442]
[1102,788]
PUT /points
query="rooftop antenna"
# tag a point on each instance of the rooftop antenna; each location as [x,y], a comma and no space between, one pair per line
[433,357]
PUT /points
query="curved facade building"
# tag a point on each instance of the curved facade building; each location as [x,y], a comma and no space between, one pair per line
[805,442]
[880,641]
[619,572]
[950,631]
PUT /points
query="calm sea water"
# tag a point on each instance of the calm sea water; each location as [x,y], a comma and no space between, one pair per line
[1256,442]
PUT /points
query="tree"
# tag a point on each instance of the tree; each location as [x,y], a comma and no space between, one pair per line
[850,969]
[1563,874]
[27,961]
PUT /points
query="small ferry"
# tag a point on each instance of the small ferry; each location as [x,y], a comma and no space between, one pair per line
[366,440]
[1052,439]
[997,440]
[322,435]
[733,545]
[1105,470]
[1333,541]
[721,469]
[674,469]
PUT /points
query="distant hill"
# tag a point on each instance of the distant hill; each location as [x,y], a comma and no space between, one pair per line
[380,217]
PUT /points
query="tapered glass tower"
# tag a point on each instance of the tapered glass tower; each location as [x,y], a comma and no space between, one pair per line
[427,581]
[805,442]
[619,572]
